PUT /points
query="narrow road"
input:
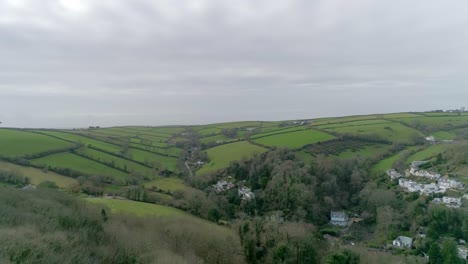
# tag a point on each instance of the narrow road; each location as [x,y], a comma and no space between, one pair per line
[189,170]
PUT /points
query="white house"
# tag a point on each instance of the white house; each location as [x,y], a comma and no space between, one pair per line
[452,202]
[431,139]
[463,252]
[245,193]
[403,241]
[393,174]
[430,189]
[339,218]
[409,185]
[450,183]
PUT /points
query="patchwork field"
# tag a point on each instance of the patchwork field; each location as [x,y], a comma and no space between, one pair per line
[393,132]
[366,152]
[37,176]
[116,161]
[444,135]
[437,123]
[221,156]
[84,140]
[295,139]
[152,159]
[17,143]
[69,160]
[387,163]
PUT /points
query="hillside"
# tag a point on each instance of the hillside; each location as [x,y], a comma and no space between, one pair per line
[283,175]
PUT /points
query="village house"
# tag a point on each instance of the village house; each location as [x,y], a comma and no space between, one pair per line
[339,218]
[393,174]
[431,139]
[463,252]
[222,185]
[450,183]
[431,189]
[409,185]
[403,241]
[426,174]
[245,193]
[451,202]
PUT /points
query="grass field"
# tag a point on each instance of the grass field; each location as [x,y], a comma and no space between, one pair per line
[430,152]
[444,135]
[37,176]
[118,162]
[214,139]
[355,123]
[366,152]
[84,140]
[221,156]
[16,143]
[295,139]
[69,160]
[278,130]
[437,123]
[147,157]
[386,164]
[167,184]
[393,132]
[138,208]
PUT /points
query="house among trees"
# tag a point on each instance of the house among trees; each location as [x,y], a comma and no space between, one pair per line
[393,174]
[451,202]
[339,218]
[246,193]
[403,242]
[463,252]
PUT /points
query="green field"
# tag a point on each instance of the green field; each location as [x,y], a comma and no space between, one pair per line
[444,135]
[221,156]
[167,184]
[393,132]
[213,139]
[146,157]
[295,139]
[37,176]
[387,163]
[84,140]
[17,143]
[277,130]
[437,123]
[366,152]
[355,123]
[138,208]
[118,162]
[69,160]
[430,152]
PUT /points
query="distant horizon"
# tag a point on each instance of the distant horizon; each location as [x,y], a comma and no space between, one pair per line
[229,121]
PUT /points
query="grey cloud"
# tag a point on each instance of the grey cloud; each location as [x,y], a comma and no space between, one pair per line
[75,63]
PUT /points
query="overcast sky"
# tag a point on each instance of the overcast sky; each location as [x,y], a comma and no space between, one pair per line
[73,63]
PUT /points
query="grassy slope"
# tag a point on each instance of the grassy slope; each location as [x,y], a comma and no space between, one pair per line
[14,143]
[69,160]
[387,163]
[365,152]
[119,162]
[167,184]
[295,139]
[429,152]
[37,176]
[84,140]
[144,156]
[138,208]
[222,155]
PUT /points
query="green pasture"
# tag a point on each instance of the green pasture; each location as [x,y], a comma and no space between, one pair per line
[278,131]
[444,135]
[167,184]
[366,152]
[137,208]
[215,138]
[387,163]
[118,162]
[355,123]
[393,132]
[295,139]
[17,143]
[70,160]
[222,155]
[36,176]
[84,140]
[159,161]
[437,123]
[430,152]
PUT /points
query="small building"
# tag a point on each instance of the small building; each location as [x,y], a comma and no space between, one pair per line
[450,183]
[430,189]
[463,252]
[403,242]
[452,202]
[245,193]
[29,187]
[393,174]
[339,218]
[431,139]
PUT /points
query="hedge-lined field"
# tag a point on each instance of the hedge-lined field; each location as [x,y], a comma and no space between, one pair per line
[295,139]
[17,143]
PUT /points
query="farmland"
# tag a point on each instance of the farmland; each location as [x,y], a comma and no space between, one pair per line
[69,160]
[221,156]
[167,184]
[36,176]
[429,152]
[294,139]
[137,208]
[17,143]
[83,140]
